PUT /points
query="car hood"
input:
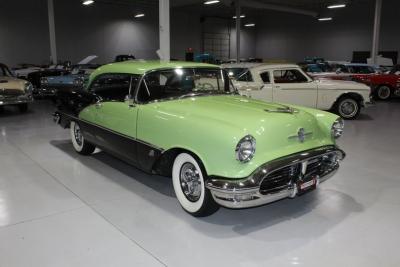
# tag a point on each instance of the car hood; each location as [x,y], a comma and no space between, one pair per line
[341,85]
[233,117]
[7,82]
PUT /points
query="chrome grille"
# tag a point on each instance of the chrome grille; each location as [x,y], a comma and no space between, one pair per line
[283,178]
[11,92]
[280,179]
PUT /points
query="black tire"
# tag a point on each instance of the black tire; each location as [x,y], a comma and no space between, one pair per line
[384,92]
[23,108]
[195,200]
[348,107]
[78,141]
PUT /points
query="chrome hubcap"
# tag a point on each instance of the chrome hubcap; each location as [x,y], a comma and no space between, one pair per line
[348,108]
[190,182]
[78,135]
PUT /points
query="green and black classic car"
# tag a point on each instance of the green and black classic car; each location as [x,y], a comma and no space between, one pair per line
[186,120]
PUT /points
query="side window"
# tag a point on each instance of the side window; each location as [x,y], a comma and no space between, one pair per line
[343,69]
[265,77]
[289,76]
[245,76]
[112,87]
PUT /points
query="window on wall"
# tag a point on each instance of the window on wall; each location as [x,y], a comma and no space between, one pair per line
[289,76]
[114,87]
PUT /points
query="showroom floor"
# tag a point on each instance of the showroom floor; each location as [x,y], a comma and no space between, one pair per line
[58,208]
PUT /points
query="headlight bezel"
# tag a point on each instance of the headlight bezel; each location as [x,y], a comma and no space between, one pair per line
[247,143]
[337,128]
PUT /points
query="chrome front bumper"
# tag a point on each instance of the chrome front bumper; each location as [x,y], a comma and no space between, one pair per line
[46,92]
[250,191]
[15,100]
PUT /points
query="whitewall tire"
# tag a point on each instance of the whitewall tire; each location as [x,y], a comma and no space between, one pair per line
[188,179]
[78,141]
[348,108]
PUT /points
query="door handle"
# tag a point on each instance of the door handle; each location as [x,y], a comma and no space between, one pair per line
[277,86]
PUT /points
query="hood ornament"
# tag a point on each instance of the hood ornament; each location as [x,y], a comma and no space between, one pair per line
[301,135]
[283,109]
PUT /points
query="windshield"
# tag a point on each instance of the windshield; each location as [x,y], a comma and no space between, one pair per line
[362,69]
[235,72]
[4,71]
[184,82]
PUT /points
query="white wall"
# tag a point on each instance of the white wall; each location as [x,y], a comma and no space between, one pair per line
[108,30]
[24,31]
[186,31]
[104,30]
[293,37]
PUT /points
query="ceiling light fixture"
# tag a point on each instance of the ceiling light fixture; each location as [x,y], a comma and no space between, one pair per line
[211,2]
[140,15]
[336,6]
[241,16]
[250,25]
[324,19]
[87,2]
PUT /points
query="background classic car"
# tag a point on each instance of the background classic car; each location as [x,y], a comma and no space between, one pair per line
[287,83]
[347,71]
[384,86]
[76,78]
[177,119]
[13,91]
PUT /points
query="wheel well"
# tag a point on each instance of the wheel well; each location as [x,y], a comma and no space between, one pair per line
[388,85]
[163,165]
[354,96]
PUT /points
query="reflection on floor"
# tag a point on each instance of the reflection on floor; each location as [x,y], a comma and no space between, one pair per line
[58,208]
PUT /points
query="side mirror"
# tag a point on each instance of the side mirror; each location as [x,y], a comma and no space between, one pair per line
[338,71]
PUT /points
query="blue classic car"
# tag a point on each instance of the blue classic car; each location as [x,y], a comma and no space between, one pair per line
[76,78]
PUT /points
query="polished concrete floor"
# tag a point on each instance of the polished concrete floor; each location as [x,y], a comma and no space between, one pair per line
[58,208]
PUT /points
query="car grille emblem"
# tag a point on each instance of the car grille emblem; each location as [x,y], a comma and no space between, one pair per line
[301,135]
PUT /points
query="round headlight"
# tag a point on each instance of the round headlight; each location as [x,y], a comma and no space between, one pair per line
[246,148]
[337,128]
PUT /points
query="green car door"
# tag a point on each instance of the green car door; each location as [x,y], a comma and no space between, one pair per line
[114,117]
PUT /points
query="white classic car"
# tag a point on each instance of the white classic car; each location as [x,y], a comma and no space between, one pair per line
[288,83]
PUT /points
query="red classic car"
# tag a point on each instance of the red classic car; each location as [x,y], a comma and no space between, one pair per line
[347,71]
[384,86]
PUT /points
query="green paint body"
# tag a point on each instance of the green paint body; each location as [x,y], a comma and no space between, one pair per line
[211,126]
